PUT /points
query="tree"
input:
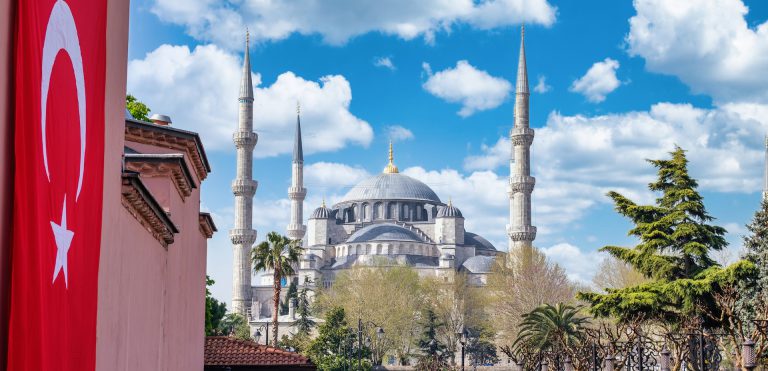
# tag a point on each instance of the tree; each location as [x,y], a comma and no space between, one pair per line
[278,254]
[388,296]
[234,324]
[331,350]
[214,310]
[138,110]
[616,274]
[676,238]
[520,284]
[548,327]
[434,354]
[304,323]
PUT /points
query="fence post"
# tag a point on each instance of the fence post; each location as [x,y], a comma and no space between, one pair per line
[594,357]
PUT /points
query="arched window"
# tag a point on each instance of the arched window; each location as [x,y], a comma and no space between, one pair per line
[378,211]
[392,210]
[404,215]
[366,215]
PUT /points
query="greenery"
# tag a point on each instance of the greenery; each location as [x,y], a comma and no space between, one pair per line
[214,310]
[333,348]
[434,354]
[278,254]
[234,324]
[548,327]
[304,323]
[290,295]
[138,110]
[676,238]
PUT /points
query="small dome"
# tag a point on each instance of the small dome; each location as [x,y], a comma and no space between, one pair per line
[479,264]
[383,232]
[321,212]
[449,211]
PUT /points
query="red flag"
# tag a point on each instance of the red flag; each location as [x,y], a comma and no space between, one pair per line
[59,129]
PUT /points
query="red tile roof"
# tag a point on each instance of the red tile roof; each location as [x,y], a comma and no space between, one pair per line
[229,351]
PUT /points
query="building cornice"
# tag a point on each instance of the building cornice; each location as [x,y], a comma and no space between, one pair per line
[140,203]
[173,138]
[207,228]
[162,165]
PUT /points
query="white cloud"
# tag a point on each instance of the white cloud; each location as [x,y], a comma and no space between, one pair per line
[199,88]
[579,265]
[398,133]
[706,43]
[330,176]
[599,81]
[475,89]
[542,87]
[724,145]
[385,62]
[338,21]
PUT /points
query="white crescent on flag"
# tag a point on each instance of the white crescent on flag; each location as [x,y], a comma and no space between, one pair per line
[61,34]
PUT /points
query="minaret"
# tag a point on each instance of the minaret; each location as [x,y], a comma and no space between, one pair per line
[521,232]
[244,187]
[297,192]
[765,171]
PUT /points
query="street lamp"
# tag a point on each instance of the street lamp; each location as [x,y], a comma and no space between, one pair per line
[379,335]
[665,359]
[748,354]
[257,335]
[462,335]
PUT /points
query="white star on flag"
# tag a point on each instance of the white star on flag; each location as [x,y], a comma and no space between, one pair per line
[63,238]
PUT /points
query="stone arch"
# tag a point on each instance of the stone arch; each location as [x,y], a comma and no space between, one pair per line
[392,210]
[378,211]
[378,249]
[365,213]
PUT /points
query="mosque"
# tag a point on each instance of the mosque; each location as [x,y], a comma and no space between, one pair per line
[388,219]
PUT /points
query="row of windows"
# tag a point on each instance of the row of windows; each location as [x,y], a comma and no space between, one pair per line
[387,249]
[394,210]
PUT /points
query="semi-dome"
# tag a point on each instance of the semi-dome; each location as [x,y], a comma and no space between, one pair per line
[391,186]
[479,264]
[478,241]
[449,211]
[383,232]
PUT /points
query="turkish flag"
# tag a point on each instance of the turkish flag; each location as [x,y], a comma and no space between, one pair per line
[59,162]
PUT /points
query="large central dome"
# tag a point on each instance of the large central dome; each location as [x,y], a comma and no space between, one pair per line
[391,186]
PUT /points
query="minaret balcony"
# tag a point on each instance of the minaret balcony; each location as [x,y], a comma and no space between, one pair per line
[297,230]
[297,193]
[245,139]
[242,236]
[244,187]
[522,233]
[521,183]
[521,136]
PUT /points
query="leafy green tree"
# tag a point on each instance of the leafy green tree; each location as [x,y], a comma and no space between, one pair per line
[482,351]
[304,324]
[332,349]
[214,310]
[549,327]
[138,110]
[434,354]
[676,238]
[234,324]
[278,254]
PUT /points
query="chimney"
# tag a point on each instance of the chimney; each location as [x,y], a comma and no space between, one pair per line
[292,309]
[162,120]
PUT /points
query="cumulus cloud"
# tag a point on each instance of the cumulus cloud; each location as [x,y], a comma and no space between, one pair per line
[398,133]
[331,176]
[385,62]
[708,44]
[724,147]
[579,265]
[541,86]
[599,81]
[198,89]
[475,89]
[338,21]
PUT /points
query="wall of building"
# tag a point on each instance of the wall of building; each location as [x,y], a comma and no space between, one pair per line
[6,165]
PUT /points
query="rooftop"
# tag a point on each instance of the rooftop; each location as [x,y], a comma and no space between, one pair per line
[229,351]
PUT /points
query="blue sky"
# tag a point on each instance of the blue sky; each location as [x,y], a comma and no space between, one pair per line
[618,81]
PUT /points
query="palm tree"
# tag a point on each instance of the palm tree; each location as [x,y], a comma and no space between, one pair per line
[551,327]
[278,254]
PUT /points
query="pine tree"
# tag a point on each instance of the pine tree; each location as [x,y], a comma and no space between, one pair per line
[676,238]
[434,355]
[753,301]
[304,323]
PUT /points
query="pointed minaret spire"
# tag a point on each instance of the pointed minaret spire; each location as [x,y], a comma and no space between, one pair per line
[391,168]
[521,232]
[296,229]
[244,187]
[765,175]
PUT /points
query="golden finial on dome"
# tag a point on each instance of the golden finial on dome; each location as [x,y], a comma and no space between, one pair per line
[323,201]
[450,201]
[391,168]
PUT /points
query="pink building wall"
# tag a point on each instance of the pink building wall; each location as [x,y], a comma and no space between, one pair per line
[6,166]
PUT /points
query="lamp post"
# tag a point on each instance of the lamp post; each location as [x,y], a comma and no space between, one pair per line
[462,335]
[748,354]
[257,335]
[379,335]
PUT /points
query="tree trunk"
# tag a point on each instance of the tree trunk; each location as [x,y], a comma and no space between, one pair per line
[275,306]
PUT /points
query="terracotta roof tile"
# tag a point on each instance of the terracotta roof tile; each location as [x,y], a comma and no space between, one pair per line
[228,351]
